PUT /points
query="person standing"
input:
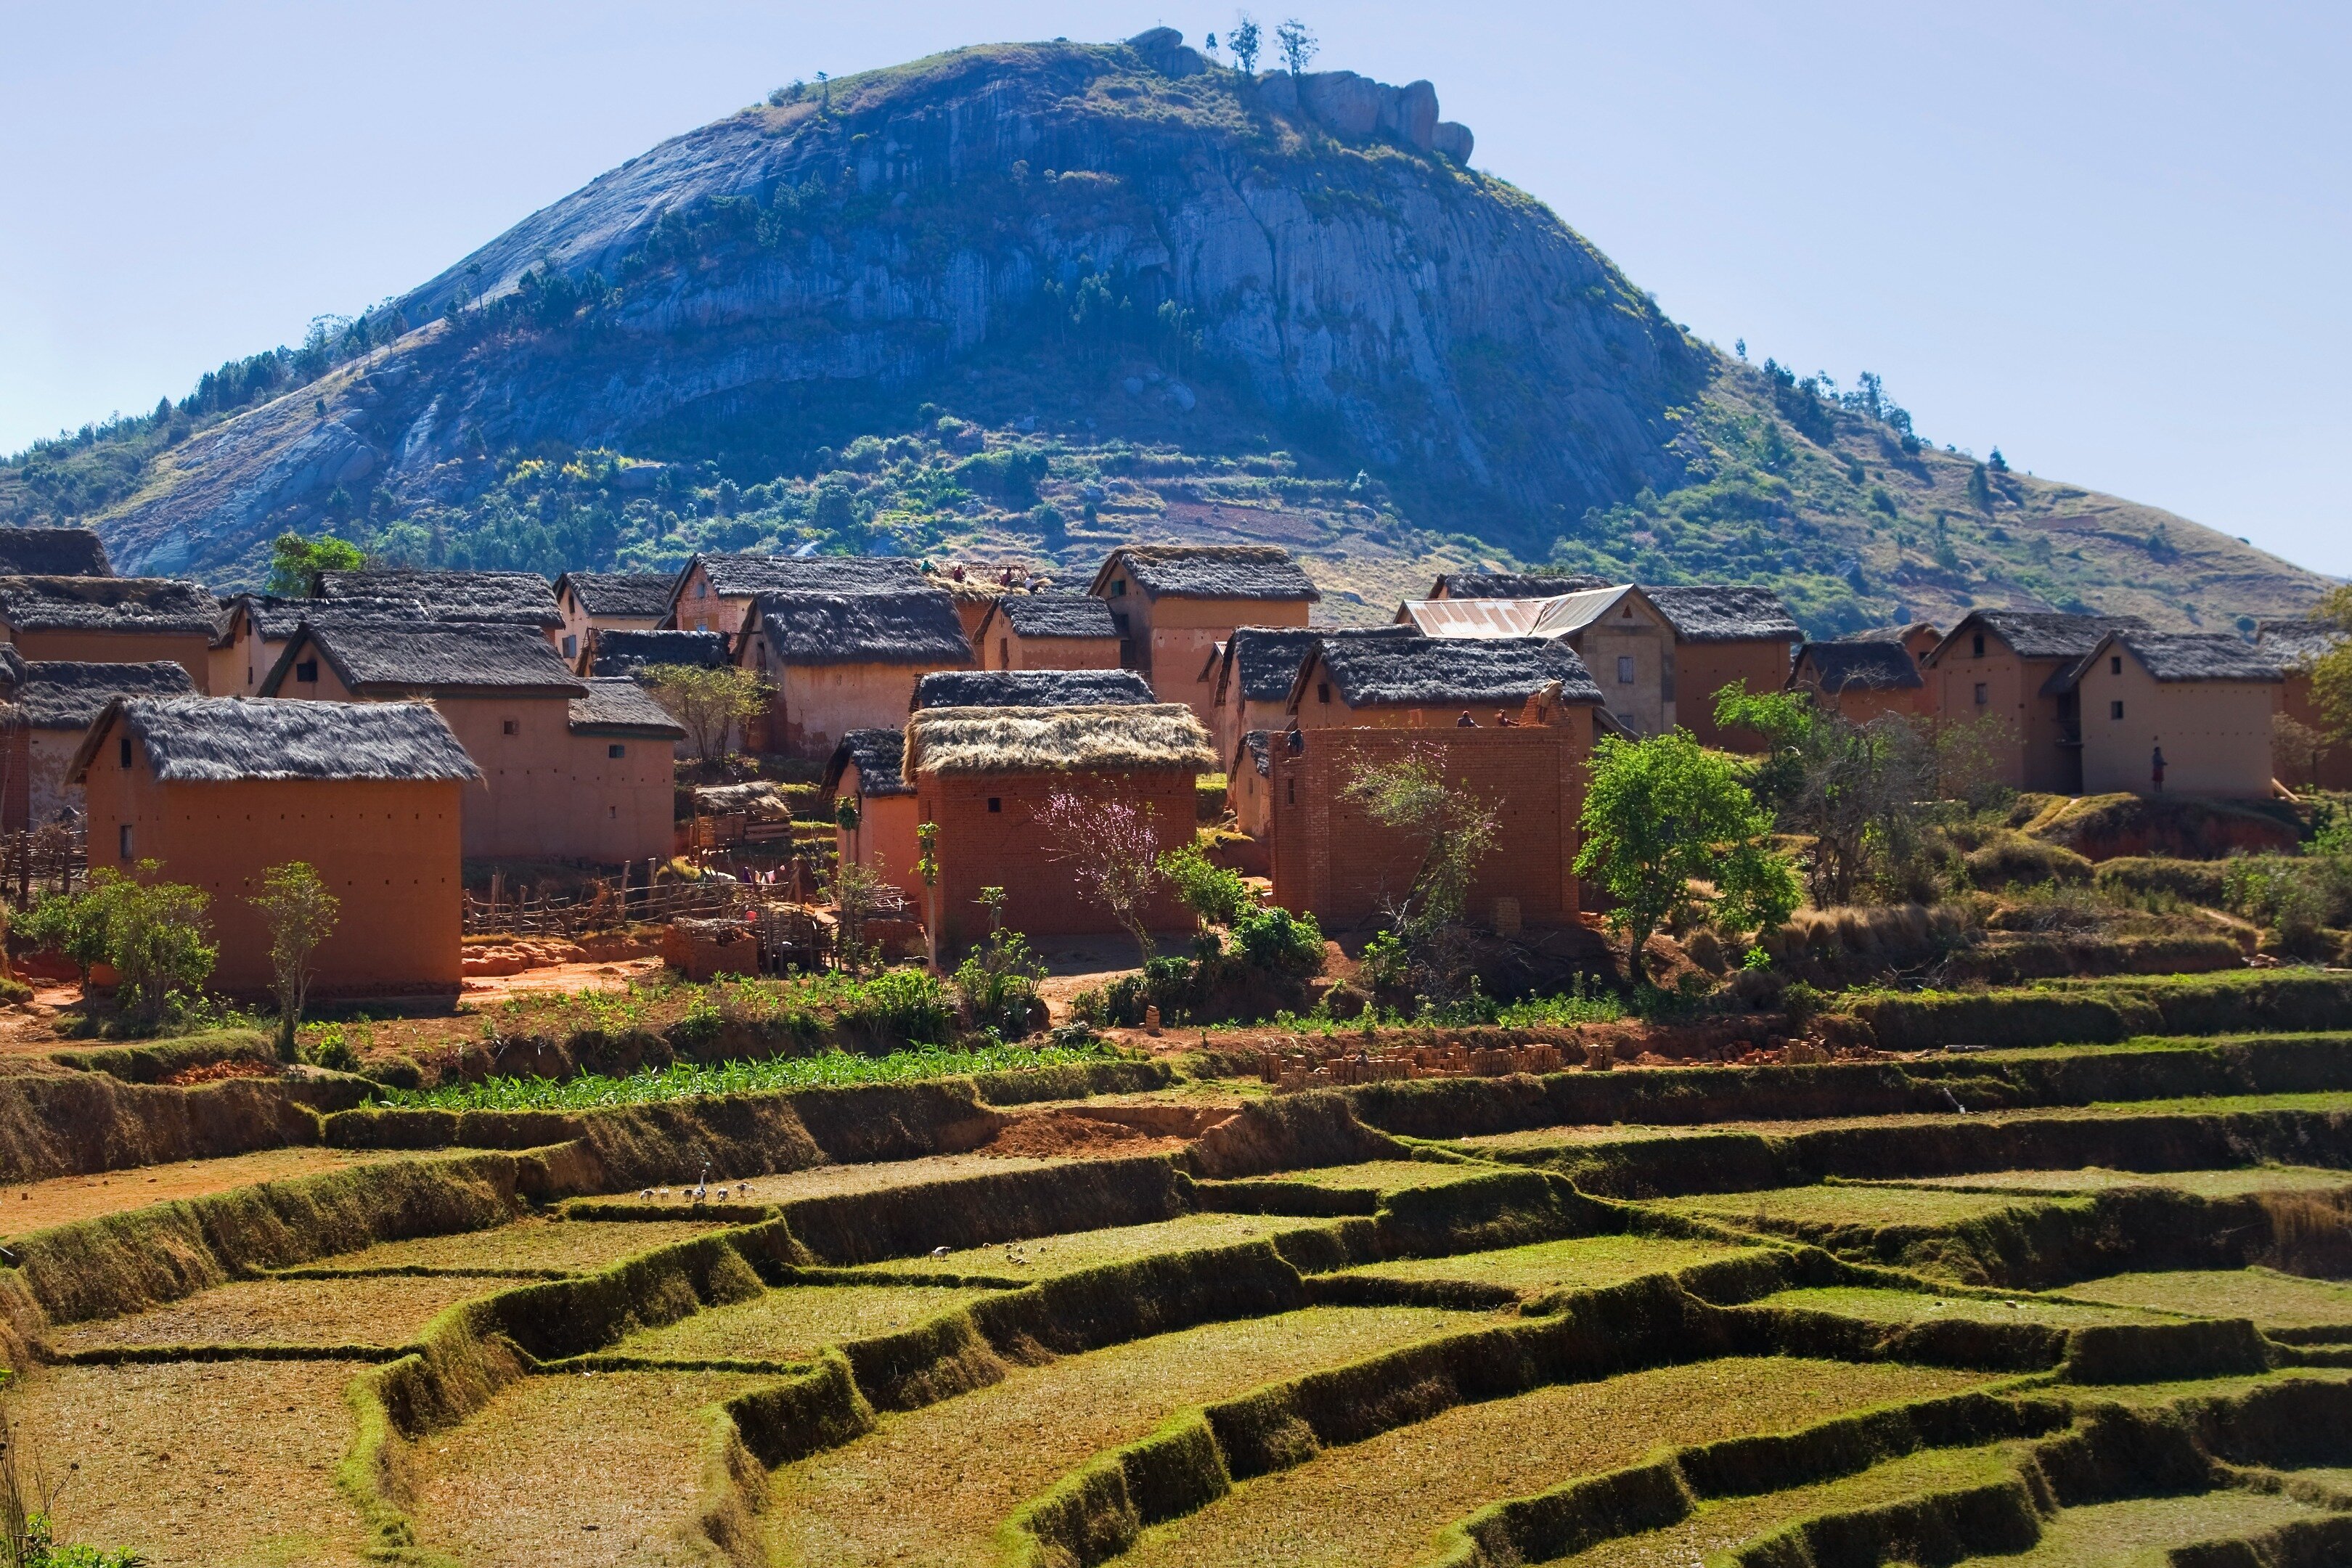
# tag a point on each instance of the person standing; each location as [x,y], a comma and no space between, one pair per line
[2155,768]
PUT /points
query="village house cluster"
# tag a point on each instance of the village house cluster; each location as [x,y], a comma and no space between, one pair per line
[391,725]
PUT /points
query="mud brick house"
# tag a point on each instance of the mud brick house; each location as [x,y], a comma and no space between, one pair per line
[1508,585]
[1331,860]
[2294,647]
[217,789]
[2205,698]
[1175,604]
[2002,667]
[1031,688]
[618,803]
[550,791]
[1624,639]
[47,707]
[632,653]
[1862,679]
[1047,631]
[111,620]
[864,772]
[1249,775]
[715,592]
[976,587]
[515,597]
[53,552]
[592,602]
[834,663]
[1725,634]
[983,774]
[1427,683]
[1250,675]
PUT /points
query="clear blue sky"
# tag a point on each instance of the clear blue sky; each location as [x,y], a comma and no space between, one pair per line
[2112,239]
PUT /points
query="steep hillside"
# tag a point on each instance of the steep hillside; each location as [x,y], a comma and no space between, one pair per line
[1030,299]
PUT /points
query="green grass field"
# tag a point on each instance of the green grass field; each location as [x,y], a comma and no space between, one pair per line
[1918,1307]
[2139,1532]
[1379,1501]
[2093,1179]
[1043,1256]
[569,1245]
[1580,1263]
[2272,1299]
[1821,1209]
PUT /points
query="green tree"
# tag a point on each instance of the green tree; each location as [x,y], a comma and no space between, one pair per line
[1980,490]
[158,941]
[706,703]
[1299,44]
[1215,895]
[300,913]
[2331,674]
[1856,790]
[1245,40]
[1454,832]
[295,561]
[997,983]
[1662,813]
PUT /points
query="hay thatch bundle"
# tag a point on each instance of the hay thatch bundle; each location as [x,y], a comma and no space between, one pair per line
[2297,645]
[1260,662]
[68,694]
[625,653]
[617,705]
[2041,633]
[1448,672]
[518,596]
[1055,615]
[877,754]
[221,740]
[106,605]
[738,576]
[2182,656]
[1509,585]
[1057,740]
[371,657]
[914,626]
[1723,612]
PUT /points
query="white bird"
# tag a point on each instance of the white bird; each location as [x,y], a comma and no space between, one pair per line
[939,1252]
[646,1194]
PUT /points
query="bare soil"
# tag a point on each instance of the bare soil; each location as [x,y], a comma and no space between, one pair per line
[576,1471]
[1052,1134]
[370,1310]
[206,1465]
[35,1205]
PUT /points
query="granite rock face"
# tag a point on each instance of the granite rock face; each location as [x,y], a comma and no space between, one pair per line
[1344,268]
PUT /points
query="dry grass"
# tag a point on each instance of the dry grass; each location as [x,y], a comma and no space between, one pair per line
[1584,1263]
[581,1469]
[201,1465]
[2139,1532]
[932,1486]
[1379,1501]
[835,1180]
[1049,1254]
[2093,1179]
[1918,1306]
[1812,1208]
[571,1244]
[61,1200]
[1718,1527]
[2151,1395]
[795,1322]
[2273,1300]
[1386,1176]
[370,1310]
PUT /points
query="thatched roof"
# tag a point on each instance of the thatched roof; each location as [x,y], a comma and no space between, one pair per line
[1902,634]
[220,740]
[617,705]
[106,605]
[517,596]
[1508,585]
[915,626]
[1873,666]
[1726,613]
[1446,672]
[741,576]
[1256,748]
[2297,645]
[1162,735]
[625,653]
[2038,634]
[636,596]
[378,657]
[1031,688]
[2177,656]
[53,552]
[1210,571]
[70,694]
[275,618]
[1054,615]
[877,753]
[1260,662]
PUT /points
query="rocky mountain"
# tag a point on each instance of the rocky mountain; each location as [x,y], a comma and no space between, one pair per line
[1025,300]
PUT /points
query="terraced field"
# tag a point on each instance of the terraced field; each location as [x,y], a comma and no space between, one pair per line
[1629,1317]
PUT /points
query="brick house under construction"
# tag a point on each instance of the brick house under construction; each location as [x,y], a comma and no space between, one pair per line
[983,774]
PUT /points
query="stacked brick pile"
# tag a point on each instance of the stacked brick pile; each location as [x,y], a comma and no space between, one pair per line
[1325,1067]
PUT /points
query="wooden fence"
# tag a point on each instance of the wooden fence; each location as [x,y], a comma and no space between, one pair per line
[51,859]
[607,904]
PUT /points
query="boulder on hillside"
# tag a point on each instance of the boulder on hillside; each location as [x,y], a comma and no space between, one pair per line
[1452,140]
[1163,50]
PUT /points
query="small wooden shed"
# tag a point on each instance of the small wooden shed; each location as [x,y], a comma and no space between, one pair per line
[982,775]
[218,790]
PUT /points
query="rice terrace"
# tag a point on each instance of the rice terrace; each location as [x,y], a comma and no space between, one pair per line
[2067,1299]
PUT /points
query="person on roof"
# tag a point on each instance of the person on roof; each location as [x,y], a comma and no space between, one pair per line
[1465,722]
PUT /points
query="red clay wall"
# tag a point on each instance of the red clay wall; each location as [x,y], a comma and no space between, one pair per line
[1704,668]
[2333,770]
[387,849]
[1331,859]
[1006,848]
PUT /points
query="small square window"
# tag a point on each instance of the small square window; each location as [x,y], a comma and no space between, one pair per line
[996,802]
[2115,664]
[124,839]
[1119,587]
[572,648]
[616,749]
[701,589]
[1004,653]
[2115,710]
[1981,695]
[124,754]
[1322,691]
[307,671]
[1624,669]
[509,727]
[1975,647]
[612,812]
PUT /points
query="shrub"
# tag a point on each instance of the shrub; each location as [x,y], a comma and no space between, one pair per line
[73,924]
[2294,896]
[2191,881]
[897,1008]
[333,1052]
[1277,940]
[2008,858]
[157,942]
[1215,895]
[997,984]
